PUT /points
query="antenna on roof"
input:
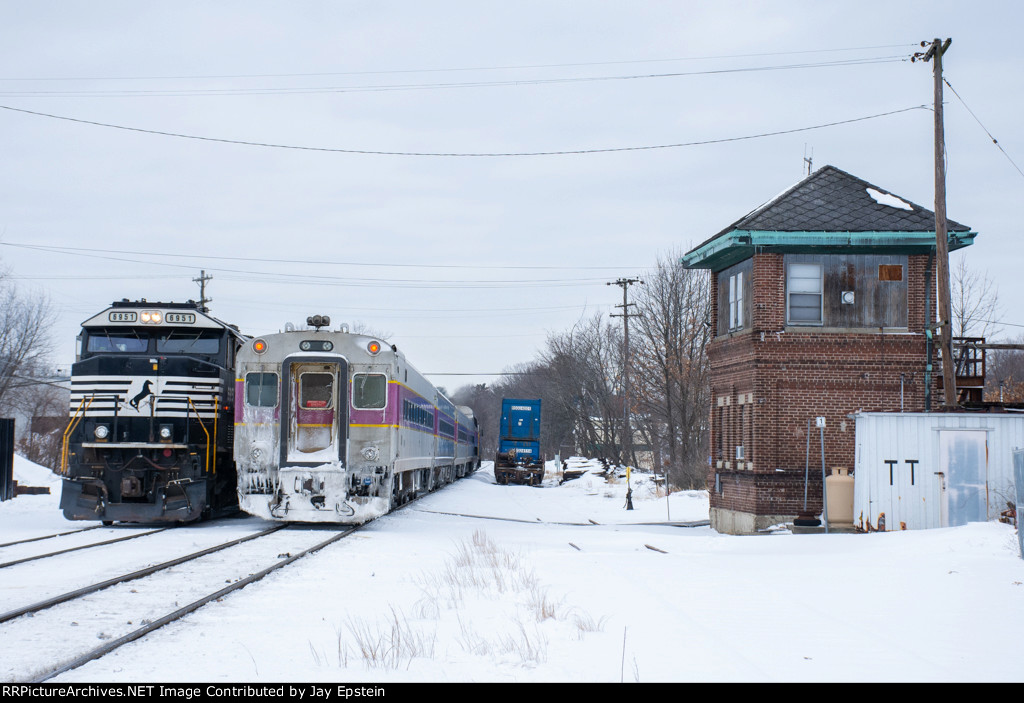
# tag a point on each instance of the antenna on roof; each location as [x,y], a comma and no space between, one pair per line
[808,160]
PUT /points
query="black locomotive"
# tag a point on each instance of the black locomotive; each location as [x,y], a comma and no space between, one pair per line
[151,429]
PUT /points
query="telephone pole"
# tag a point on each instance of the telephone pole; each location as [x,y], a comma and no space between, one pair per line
[934,53]
[627,441]
[203,300]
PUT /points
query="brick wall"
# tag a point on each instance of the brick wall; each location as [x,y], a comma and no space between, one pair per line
[766,382]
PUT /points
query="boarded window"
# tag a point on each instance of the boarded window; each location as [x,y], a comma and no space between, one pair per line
[887,272]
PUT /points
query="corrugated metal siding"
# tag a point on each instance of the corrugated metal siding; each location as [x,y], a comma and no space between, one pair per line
[1018,473]
[918,497]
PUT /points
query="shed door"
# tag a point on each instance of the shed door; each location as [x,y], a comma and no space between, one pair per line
[963,458]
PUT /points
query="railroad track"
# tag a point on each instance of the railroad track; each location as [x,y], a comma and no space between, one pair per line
[59,534]
[100,605]
[125,608]
[34,557]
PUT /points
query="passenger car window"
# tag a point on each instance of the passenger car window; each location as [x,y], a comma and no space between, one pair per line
[369,391]
[316,390]
[261,389]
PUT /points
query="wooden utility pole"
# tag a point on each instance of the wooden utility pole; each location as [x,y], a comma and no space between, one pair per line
[203,300]
[935,51]
[627,438]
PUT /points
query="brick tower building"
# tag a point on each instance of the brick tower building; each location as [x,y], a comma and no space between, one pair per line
[821,299]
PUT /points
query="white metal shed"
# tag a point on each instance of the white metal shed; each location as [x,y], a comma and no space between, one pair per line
[919,470]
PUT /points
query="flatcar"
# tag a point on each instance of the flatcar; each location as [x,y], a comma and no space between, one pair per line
[338,427]
[150,434]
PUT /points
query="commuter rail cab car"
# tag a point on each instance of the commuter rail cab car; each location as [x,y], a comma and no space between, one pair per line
[150,434]
[518,459]
[339,427]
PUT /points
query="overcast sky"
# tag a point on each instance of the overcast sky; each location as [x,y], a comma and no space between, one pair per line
[469,261]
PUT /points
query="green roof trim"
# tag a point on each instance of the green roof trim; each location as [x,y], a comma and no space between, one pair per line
[740,244]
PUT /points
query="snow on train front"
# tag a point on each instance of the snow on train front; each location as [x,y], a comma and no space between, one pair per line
[338,427]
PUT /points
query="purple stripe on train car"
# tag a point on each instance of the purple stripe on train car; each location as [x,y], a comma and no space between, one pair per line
[239,399]
[388,415]
[240,403]
[315,416]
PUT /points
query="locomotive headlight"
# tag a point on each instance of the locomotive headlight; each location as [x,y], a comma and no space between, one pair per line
[373,347]
[370,453]
[153,317]
[101,431]
[259,346]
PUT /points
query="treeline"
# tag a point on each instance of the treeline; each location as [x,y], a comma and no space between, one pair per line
[40,409]
[578,376]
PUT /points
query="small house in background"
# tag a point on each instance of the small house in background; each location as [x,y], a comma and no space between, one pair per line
[821,300]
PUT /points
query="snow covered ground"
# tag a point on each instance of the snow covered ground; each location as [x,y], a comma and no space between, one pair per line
[531,590]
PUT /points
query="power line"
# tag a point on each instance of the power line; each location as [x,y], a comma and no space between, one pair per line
[461,69]
[446,86]
[309,279]
[163,255]
[994,141]
[466,154]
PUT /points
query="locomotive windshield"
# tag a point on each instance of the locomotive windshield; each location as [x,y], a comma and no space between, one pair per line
[119,340]
[188,342]
[207,342]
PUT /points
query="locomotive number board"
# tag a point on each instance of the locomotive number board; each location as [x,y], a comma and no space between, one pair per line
[181,318]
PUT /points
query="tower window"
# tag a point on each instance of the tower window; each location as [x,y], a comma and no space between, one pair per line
[804,294]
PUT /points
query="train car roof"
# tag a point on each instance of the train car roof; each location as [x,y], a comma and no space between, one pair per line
[128,313]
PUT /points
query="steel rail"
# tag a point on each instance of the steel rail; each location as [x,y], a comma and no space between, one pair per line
[84,546]
[86,590]
[182,612]
[59,534]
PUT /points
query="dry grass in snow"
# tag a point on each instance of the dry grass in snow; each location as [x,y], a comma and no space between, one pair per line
[490,599]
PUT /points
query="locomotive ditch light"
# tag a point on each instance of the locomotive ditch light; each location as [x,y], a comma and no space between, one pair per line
[165,433]
[101,431]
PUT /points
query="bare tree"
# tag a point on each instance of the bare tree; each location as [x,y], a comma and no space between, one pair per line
[975,299]
[486,407]
[1004,374]
[672,379]
[45,410]
[25,323]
